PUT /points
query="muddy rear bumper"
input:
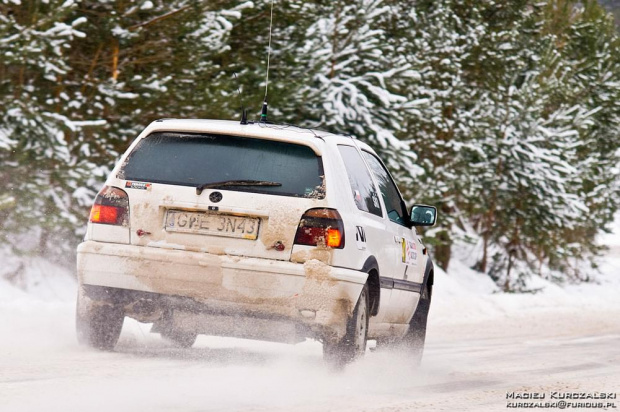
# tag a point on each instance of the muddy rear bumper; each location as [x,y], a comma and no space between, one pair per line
[220,294]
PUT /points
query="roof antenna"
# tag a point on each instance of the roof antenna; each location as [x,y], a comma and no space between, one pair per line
[263,115]
[244,112]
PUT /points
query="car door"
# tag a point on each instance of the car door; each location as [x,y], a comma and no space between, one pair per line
[371,221]
[409,261]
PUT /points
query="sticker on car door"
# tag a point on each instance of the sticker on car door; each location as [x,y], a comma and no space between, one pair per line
[410,252]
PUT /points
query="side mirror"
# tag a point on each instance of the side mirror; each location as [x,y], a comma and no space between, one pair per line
[422,215]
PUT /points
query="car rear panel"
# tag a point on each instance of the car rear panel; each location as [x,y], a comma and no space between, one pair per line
[240,224]
[314,294]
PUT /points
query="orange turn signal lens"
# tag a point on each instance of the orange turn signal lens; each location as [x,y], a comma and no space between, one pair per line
[333,238]
[104,214]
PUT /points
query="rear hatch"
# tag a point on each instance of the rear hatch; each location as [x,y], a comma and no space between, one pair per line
[220,194]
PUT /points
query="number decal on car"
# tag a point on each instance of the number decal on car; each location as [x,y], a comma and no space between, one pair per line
[360,238]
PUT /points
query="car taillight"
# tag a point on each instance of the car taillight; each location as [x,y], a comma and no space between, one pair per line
[321,227]
[111,207]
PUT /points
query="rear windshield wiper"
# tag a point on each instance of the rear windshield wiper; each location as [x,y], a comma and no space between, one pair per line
[225,183]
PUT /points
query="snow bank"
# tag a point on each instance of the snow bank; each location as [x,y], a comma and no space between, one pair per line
[25,278]
[37,302]
[464,295]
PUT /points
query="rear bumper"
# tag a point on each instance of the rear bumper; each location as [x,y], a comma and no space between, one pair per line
[313,296]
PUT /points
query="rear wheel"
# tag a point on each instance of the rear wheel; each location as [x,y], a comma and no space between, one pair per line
[179,338]
[353,344]
[98,325]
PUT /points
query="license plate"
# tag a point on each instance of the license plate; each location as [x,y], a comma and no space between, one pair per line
[212,224]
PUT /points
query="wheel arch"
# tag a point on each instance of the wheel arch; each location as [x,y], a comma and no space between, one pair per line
[371,266]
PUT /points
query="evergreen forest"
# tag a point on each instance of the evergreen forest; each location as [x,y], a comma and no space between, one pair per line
[503,114]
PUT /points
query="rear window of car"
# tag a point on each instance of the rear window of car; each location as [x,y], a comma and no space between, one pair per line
[189,159]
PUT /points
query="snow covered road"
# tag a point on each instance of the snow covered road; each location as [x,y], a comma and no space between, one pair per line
[481,345]
[468,366]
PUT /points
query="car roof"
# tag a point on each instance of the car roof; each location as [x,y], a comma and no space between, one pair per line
[283,132]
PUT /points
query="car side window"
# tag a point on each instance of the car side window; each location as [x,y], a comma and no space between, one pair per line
[391,196]
[363,189]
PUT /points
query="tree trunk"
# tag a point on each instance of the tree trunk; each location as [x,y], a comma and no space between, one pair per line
[443,251]
[507,281]
[115,50]
[93,64]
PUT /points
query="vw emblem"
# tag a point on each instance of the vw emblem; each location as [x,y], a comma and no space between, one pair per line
[215,197]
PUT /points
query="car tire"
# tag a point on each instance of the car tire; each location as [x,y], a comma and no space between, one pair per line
[179,338]
[98,325]
[415,338]
[353,345]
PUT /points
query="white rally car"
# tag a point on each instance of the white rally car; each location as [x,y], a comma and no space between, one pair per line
[256,231]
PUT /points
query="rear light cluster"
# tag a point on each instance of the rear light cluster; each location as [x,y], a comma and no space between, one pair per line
[321,227]
[111,207]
